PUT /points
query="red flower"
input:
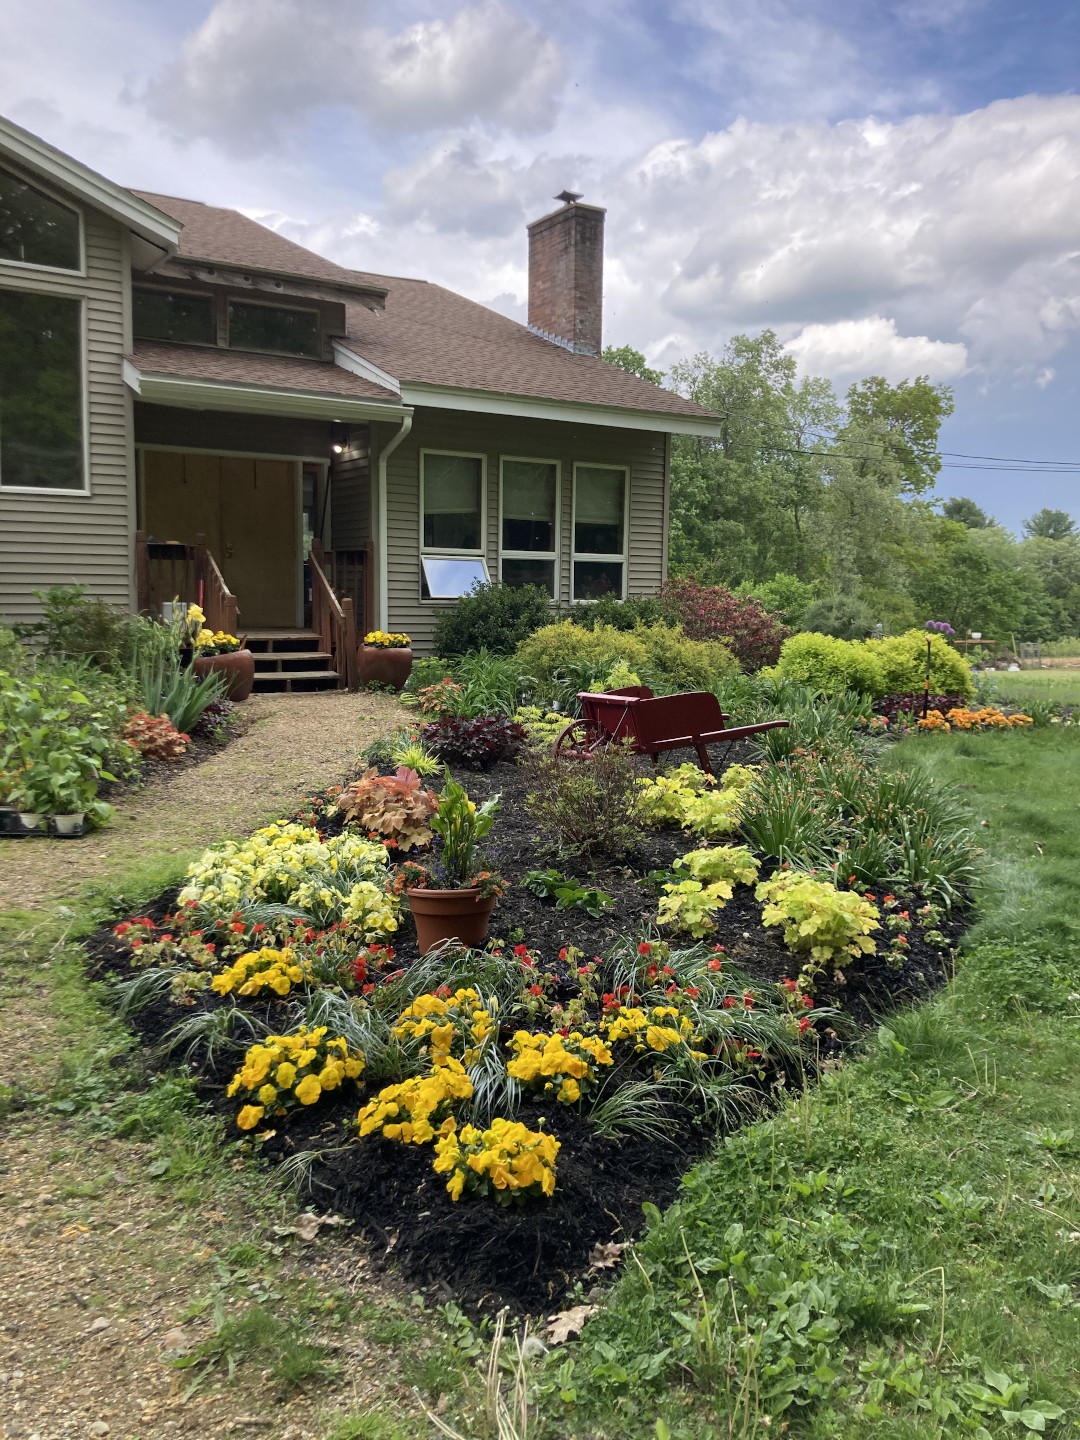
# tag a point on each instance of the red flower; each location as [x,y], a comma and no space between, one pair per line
[668,970]
[804,1024]
[789,984]
[903,915]
[584,970]
[536,990]
[562,953]
[808,1004]
[693,991]
[720,949]
[520,950]
[748,1000]
[901,939]
[651,972]
[644,948]
[368,988]
[729,1002]
[260,926]
[237,928]
[714,965]
[443,991]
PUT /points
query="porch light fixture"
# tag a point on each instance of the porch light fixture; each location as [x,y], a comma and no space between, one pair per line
[337,449]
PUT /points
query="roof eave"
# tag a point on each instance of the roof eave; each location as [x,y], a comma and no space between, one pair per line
[79,180]
[374,293]
[491,402]
[193,393]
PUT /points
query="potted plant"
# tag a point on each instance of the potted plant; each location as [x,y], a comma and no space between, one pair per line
[384,659]
[452,897]
[61,783]
[214,650]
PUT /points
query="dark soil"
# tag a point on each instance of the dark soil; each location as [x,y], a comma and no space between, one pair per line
[528,1257]
[161,772]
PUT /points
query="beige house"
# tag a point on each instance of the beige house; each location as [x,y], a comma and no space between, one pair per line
[192,405]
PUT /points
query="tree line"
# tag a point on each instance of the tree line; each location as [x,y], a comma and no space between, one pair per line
[824,507]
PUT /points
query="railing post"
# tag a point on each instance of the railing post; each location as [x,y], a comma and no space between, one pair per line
[349,642]
[142,573]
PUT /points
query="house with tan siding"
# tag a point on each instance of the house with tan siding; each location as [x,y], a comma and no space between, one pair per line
[193,406]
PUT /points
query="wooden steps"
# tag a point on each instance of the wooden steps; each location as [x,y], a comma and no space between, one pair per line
[290,661]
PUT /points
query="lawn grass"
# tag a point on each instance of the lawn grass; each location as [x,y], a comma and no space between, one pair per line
[1060,685]
[897,1251]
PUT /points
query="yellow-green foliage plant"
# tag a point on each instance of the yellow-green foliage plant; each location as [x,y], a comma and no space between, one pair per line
[682,664]
[660,651]
[819,919]
[902,659]
[721,862]
[689,907]
[543,727]
[508,1162]
[691,800]
[830,665]
[284,1071]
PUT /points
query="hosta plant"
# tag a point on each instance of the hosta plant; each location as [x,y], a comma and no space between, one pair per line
[285,1071]
[507,1162]
[818,919]
[397,808]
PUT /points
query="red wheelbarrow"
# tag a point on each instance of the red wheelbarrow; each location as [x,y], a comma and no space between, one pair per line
[653,724]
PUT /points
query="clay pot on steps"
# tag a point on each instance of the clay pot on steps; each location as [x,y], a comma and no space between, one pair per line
[380,665]
[239,666]
[462,915]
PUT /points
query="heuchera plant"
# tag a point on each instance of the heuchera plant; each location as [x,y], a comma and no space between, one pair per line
[480,742]
[395,807]
[155,737]
[710,612]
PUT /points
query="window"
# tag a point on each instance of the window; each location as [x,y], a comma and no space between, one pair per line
[41,424]
[451,489]
[529,518]
[442,578]
[270,327]
[35,229]
[173,315]
[599,532]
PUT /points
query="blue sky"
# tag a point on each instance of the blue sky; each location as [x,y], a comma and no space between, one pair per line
[894,187]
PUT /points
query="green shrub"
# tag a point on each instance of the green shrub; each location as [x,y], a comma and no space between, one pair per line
[14,658]
[556,648]
[498,617]
[75,627]
[428,671]
[826,664]
[902,659]
[675,663]
[619,614]
[591,808]
[661,654]
[843,616]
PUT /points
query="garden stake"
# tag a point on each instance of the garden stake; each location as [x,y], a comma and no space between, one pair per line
[926,691]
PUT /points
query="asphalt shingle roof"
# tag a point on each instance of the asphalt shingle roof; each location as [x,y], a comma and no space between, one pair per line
[235,367]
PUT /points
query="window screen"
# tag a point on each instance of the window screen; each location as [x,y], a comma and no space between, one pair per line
[268,327]
[36,229]
[452,494]
[173,315]
[41,441]
[445,579]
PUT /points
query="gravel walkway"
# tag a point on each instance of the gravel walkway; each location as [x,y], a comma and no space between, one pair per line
[291,744]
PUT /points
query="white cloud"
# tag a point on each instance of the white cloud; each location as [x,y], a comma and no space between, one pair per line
[254,69]
[847,349]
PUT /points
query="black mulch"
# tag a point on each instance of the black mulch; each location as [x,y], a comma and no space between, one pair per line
[528,1257]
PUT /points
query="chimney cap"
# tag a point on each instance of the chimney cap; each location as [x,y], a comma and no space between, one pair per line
[569,196]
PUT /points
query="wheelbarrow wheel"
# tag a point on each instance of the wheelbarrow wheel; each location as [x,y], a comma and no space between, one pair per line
[580,740]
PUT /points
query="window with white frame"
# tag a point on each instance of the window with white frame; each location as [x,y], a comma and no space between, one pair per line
[452,496]
[528,518]
[600,497]
[35,229]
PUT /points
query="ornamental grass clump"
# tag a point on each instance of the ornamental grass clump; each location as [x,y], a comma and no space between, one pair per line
[508,1162]
[559,1065]
[819,919]
[395,808]
[259,970]
[284,1071]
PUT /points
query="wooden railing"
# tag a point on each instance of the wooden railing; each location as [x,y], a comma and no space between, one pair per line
[352,574]
[167,572]
[335,621]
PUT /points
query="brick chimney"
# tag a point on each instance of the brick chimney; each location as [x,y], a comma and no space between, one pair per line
[566,275]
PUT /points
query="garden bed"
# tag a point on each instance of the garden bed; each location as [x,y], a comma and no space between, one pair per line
[529,1257]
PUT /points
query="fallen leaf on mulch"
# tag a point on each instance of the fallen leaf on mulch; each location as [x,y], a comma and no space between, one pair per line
[605,1256]
[307,1225]
[568,1322]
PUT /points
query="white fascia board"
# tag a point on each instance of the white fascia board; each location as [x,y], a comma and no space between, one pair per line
[487,402]
[192,394]
[87,185]
[349,360]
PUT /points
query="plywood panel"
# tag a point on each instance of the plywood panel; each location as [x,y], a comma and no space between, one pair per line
[259,538]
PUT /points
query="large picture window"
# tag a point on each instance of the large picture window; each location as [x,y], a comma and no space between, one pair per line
[452,495]
[528,515]
[41,410]
[600,494]
[35,229]
[173,315]
[272,327]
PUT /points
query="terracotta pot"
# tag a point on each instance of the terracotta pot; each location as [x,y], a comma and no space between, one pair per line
[239,667]
[462,915]
[379,665]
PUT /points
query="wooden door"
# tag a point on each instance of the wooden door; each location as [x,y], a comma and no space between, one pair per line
[181,498]
[259,539]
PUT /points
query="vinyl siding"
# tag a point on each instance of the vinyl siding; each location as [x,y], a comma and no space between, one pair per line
[350,493]
[53,538]
[643,452]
